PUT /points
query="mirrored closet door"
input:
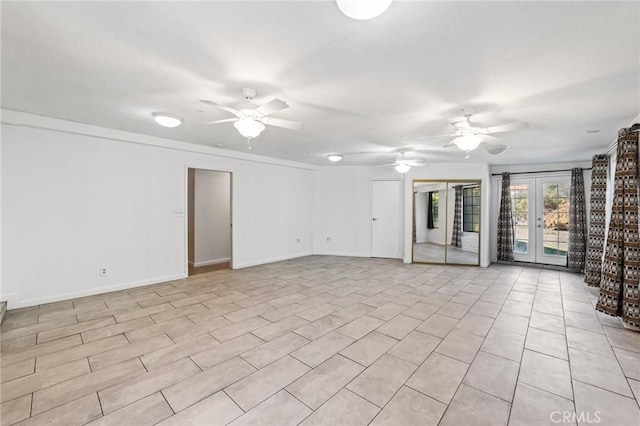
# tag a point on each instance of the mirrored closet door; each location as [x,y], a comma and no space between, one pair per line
[446,221]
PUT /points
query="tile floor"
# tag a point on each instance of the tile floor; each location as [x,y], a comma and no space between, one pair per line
[326,341]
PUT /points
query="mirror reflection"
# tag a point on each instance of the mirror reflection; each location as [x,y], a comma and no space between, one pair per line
[446,222]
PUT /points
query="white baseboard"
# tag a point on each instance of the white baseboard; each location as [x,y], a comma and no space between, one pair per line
[342,253]
[91,292]
[211,262]
[271,260]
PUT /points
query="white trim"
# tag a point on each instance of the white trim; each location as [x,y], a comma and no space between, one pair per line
[211,262]
[92,292]
[343,254]
[271,260]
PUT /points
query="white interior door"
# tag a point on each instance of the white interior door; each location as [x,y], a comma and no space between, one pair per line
[540,214]
[385,218]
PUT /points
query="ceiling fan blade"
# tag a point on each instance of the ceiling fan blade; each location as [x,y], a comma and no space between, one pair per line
[222,107]
[505,128]
[461,124]
[421,138]
[278,122]
[272,107]
[226,120]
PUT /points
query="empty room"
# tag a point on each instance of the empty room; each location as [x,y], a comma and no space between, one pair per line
[320,212]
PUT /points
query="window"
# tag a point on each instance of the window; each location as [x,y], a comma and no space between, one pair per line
[432,211]
[471,209]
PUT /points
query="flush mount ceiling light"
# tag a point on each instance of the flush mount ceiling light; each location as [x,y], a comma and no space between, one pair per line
[468,142]
[334,157]
[167,120]
[249,128]
[402,168]
[363,9]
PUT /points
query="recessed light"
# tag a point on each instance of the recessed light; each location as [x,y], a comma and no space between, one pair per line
[167,120]
[334,157]
[591,132]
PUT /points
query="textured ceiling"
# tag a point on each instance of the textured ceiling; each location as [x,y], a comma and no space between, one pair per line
[357,86]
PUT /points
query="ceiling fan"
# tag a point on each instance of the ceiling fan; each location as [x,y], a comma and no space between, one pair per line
[470,135]
[250,118]
[403,165]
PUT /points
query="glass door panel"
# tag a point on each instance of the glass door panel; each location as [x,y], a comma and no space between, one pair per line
[553,220]
[522,195]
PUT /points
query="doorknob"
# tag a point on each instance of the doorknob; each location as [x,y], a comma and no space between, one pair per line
[374,219]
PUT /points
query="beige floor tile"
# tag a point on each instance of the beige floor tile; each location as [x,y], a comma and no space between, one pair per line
[630,362]
[177,325]
[485,309]
[37,328]
[324,381]
[437,325]
[40,350]
[472,407]
[547,322]
[320,327]
[18,343]
[129,351]
[623,338]
[57,333]
[250,312]
[517,308]
[146,412]
[546,342]
[215,311]
[575,306]
[322,349]
[280,328]
[387,311]
[589,341]
[115,329]
[17,370]
[360,327]
[239,328]
[281,409]
[584,321]
[269,352]
[55,359]
[467,298]
[190,331]
[612,409]
[144,385]
[399,327]
[284,312]
[416,347]
[343,409]
[40,380]
[421,311]
[317,312]
[382,379]
[474,324]
[439,377]
[78,412]
[15,410]
[162,299]
[410,408]
[494,375]
[138,313]
[454,310]
[460,345]
[169,354]
[635,388]
[368,349]
[199,386]
[512,323]
[216,410]
[225,351]
[599,371]
[262,384]
[505,344]
[173,314]
[85,384]
[547,373]
[535,407]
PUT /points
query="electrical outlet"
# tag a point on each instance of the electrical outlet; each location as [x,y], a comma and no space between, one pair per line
[103,271]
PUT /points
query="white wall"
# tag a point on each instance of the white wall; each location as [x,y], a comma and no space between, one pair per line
[76,198]
[212,218]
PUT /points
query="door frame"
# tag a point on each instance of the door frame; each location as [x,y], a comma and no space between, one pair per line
[400,215]
[186,211]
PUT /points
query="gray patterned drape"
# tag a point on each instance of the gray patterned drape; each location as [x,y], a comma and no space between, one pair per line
[577,222]
[619,292]
[597,220]
[456,234]
[505,221]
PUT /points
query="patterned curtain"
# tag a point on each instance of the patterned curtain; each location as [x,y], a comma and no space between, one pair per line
[577,222]
[597,220]
[619,292]
[505,222]
[456,235]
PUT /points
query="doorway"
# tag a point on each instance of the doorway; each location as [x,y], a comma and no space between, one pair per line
[540,209]
[385,218]
[209,221]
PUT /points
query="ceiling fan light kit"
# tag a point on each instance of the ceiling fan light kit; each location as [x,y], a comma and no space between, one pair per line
[363,9]
[334,157]
[166,120]
[468,142]
[249,128]
[402,168]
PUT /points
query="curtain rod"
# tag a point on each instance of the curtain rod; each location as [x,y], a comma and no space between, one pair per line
[539,171]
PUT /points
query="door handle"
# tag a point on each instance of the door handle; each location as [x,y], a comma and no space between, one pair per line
[374,219]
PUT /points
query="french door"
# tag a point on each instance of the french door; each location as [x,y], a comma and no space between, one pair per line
[541,219]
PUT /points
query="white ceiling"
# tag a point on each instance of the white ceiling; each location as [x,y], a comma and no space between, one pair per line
[358,86]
